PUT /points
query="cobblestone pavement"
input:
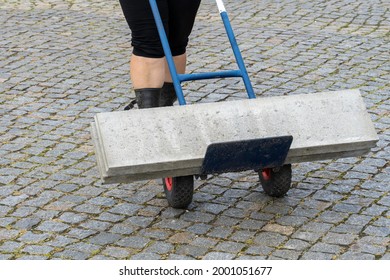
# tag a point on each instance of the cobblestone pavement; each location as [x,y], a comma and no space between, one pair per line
[64,61]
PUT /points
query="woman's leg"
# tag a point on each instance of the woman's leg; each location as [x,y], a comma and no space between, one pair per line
[180,64]
[148,68]
[147,72]
[147,63]
[182,15]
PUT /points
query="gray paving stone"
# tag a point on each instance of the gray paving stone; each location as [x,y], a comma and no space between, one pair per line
[96,225]
[5,209]
[296,244]
[6,179]
[356,219]
[377,231]
[212,208]
[88,209]
[172,213]
[285,254]
[13,200]
[122,229]
[110,217]
[125,209]
[72,218]
[242,235]
[345,228]
[52,226]
[347,208]
[199,228]
[316,256]
[307,236]
[179,257]
[5,256]
[73,199]
[197,217]
[38,202]
[90,191]
[218,256]
[6,221]
[251,224]
[141,197]
[146,256]
[369,248]
[235,213]
[230,247]
[385,201]
[116,252]
[104,238]
[80,233]
[386,257]
[84,247]
[192,251]
[356,256]
[226,221]
[220,232]
[247,257]
[32,257]
[10,246]
[37,249]
[326,248]
[27,223]
[270,239]
[173,224]
[135,242]
[140,221]
[129,164]
[327,196]
[339,239]
[291,220]
[33,238]
[60,241]
[160,248]
[204,242]
[317,227]
[46,214]
[71,255]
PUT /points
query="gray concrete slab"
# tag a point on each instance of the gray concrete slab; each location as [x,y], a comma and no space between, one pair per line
[160,142]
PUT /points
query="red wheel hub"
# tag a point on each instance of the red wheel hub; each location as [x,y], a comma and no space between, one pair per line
[266,174]
[168,183]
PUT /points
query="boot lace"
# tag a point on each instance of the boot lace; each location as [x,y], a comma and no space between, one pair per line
[131,105]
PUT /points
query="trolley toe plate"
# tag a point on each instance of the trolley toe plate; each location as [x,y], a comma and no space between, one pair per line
[254,154]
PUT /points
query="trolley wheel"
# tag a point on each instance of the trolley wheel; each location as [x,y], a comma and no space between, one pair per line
[276,182]
[179,191]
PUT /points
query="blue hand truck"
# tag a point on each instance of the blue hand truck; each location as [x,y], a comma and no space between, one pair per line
[228,156]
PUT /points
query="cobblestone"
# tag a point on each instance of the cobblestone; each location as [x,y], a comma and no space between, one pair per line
[62,62]
[104,238]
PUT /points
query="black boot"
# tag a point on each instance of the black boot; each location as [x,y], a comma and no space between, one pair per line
[145,98]
[168,95]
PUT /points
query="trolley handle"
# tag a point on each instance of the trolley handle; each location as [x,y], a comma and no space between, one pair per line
[178,78]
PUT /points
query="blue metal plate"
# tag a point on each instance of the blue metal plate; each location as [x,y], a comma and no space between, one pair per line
[254,154]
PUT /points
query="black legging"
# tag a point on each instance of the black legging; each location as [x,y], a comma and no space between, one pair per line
[178,17]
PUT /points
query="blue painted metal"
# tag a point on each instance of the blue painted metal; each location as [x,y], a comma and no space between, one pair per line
[209,75]
[254,154]
[237,54]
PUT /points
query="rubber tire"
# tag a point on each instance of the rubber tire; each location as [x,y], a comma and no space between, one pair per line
[180,194]
[278,182]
